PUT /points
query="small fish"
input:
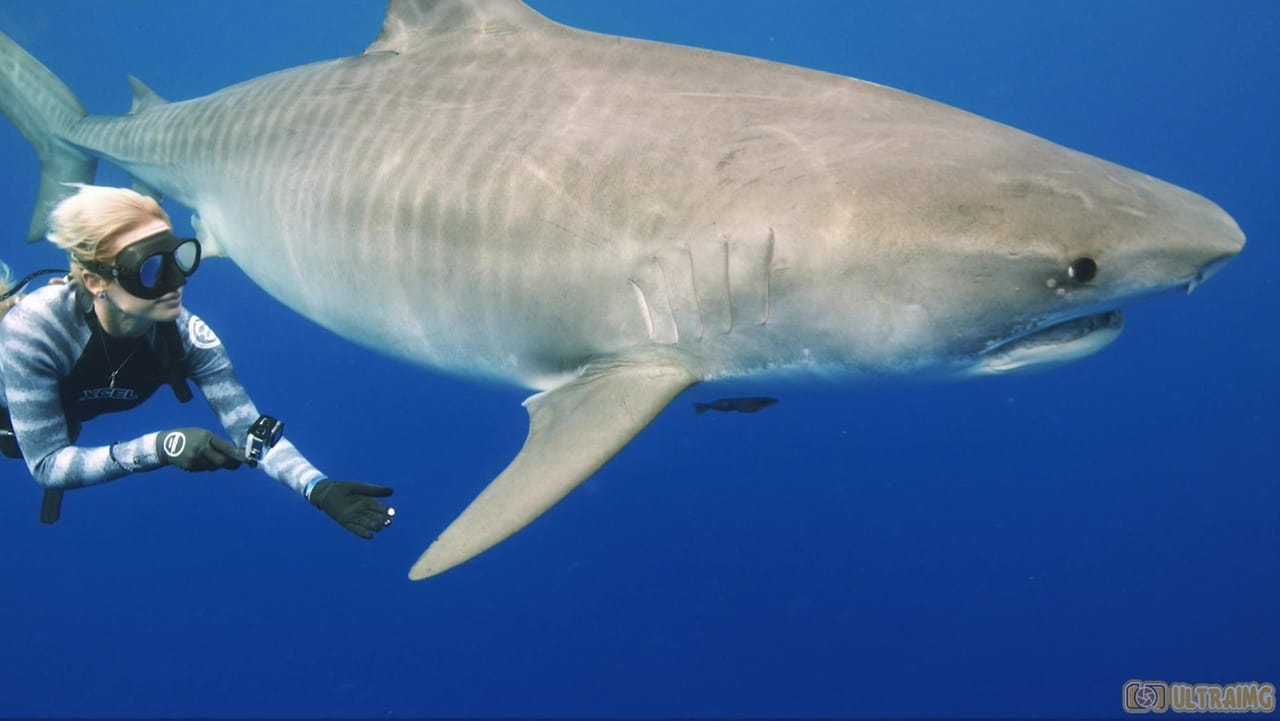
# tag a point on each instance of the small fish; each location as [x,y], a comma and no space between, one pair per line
[741,405]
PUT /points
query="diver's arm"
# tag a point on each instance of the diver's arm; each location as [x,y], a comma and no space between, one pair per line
[283,462]
[351,504]
[41,431]
[33,351]
[209,366]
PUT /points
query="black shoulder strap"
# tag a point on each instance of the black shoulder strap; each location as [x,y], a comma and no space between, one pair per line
[176,367]
[17,287]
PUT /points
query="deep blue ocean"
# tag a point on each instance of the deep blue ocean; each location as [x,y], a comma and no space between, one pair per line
[1013,547]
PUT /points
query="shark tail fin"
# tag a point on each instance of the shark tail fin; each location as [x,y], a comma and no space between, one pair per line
[41,107]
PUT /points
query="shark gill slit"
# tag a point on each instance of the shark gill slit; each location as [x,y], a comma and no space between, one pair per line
[644,306]
[666,293]
[697,299]
[728,288]
[768,278]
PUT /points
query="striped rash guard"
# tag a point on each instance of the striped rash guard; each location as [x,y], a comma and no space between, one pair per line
[58,369]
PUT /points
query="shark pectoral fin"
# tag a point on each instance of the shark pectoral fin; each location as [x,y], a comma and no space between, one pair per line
[573,431]
[209,246]
[140,186]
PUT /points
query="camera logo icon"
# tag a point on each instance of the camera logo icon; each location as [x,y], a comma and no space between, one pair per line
[1146,696]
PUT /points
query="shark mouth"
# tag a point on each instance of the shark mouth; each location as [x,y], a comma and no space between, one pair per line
[1053,344]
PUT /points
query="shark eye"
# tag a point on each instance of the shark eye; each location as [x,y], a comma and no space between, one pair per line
[1082,270]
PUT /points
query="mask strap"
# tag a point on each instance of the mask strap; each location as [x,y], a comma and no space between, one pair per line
[30,277]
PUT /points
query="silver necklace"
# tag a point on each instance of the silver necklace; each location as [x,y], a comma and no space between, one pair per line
[111,378]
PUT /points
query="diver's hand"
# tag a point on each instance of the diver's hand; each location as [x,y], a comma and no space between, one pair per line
[195,449]
[352,505]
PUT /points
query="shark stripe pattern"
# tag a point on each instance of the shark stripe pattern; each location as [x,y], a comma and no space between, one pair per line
[609,221]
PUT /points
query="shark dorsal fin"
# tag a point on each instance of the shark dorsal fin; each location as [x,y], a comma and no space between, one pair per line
[410,23]
[143,97]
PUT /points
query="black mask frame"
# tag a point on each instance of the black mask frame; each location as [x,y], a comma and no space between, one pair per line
[153,266]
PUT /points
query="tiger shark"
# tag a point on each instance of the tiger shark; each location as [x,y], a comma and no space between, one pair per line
[608,221]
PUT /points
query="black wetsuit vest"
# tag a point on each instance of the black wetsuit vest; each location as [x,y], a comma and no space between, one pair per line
[114,375]
[117,374]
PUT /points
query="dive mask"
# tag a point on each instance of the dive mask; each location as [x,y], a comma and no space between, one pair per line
[153,266]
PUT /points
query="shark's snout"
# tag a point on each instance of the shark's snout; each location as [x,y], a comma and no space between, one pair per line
[1213,240]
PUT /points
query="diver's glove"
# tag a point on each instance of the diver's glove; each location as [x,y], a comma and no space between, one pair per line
[196,449]
[351,504]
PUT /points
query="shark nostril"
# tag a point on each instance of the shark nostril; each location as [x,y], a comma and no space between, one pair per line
[1207,271]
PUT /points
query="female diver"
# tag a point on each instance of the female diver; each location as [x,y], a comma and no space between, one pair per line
[108,339]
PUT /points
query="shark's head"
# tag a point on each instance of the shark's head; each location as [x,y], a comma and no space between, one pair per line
[941,244]
[1064,253]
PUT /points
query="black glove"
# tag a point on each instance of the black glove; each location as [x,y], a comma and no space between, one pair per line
[195,449]
[351,504]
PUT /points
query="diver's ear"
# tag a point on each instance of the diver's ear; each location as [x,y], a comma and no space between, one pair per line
[90,280]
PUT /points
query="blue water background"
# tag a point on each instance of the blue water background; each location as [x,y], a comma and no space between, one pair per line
[1018,546]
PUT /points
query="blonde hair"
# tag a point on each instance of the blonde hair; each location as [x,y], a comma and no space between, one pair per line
[82,222]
